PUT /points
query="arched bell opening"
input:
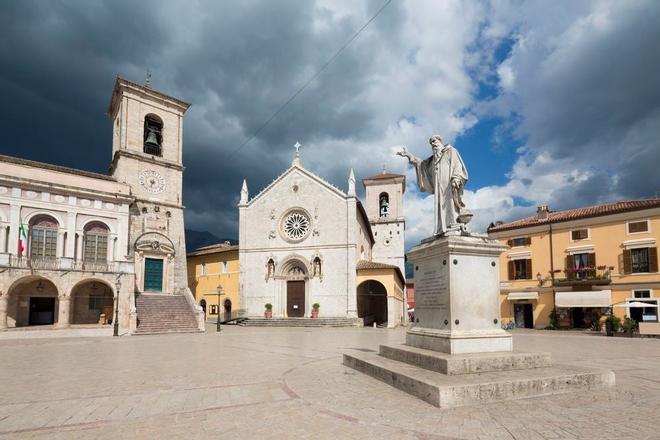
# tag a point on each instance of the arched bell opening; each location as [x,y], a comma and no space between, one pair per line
[372,302]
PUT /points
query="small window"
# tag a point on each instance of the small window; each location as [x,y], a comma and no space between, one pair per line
[642,293]
[202,269]
[521,241]
[640,260]
[224,267]
[637,227]
[580,234]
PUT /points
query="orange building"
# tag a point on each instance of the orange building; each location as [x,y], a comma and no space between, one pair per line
[581,264]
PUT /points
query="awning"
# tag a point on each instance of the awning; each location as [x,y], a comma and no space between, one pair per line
[513,296]
[636,304]
[589,298]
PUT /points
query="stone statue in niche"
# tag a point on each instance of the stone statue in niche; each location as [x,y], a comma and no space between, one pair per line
[317,267]
[270,269]
[444,175]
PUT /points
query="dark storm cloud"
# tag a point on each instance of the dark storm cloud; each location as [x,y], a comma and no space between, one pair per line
[236,63]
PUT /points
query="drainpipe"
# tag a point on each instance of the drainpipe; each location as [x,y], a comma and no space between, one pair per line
[552,272]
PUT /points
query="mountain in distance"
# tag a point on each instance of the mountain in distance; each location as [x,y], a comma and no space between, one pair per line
[197,239]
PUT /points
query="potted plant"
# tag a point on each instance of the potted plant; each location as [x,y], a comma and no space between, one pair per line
[268,314]
[315,310]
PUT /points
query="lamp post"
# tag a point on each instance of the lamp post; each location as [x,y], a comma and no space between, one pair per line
[220,293]
[116,320]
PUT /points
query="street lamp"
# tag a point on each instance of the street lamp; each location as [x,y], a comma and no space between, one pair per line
[220,293]
[116,321]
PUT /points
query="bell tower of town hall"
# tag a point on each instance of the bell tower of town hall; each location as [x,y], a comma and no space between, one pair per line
[147,141]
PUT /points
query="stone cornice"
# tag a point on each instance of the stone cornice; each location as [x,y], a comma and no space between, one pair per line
[144,158]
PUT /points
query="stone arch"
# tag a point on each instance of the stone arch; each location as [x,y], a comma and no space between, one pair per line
[29,218]
[372,302]
[103,221]
[92,302]
[154,242]
[292,261]
[33,300]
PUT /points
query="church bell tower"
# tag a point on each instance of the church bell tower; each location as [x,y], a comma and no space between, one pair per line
[384,206]
[147,141]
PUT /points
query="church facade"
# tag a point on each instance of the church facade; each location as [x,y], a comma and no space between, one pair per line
[84,248]
[303,241]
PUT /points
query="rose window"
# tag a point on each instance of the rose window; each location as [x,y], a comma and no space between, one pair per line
[296,225]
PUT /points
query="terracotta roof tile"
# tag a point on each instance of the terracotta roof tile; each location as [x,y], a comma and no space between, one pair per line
[579,213]
[213,249]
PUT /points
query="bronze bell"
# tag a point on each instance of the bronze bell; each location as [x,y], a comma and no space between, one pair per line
[152,139]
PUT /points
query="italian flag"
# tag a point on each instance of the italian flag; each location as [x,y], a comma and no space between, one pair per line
[22,240]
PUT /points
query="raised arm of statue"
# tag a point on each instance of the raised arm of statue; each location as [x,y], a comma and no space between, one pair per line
[411,159]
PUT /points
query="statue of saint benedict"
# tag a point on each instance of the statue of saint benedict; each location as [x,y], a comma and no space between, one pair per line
[444,175]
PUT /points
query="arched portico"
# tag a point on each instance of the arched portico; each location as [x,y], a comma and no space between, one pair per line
[92,302]
[372,302]
[31,300]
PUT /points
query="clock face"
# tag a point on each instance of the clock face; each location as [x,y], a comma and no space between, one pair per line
[152,181]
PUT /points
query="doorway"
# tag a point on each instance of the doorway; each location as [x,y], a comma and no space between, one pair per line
[295,299]
[153,275]
[227,305]
[523,315]
[42,311]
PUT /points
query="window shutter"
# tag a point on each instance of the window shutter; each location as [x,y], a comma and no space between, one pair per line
[653,259]
[591,260]
[528,267]
[569,267]
[509,243]
[627,261]
[511,270]
[529,241]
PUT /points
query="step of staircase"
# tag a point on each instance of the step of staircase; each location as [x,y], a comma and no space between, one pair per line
[164,314]
[302,322]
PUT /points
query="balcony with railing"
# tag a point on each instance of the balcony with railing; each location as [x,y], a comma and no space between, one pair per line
[586,275]
[63,263]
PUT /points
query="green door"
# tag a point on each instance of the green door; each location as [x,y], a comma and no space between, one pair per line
[153,275]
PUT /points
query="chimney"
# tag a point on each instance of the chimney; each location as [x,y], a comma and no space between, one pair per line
[542,212]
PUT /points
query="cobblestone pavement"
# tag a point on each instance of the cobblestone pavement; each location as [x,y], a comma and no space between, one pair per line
[289,383]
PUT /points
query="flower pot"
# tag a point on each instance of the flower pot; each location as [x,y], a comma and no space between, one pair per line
[315,314]
[268,314]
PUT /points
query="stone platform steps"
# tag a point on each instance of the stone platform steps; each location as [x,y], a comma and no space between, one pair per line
[474,378]
[302,322]
[164,313]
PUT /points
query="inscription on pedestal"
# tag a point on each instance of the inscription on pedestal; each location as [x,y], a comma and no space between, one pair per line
[431,288]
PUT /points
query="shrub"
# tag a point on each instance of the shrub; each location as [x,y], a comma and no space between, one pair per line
[269,306]
[554,319]
[595,321]
[316,306]
[628,324]
[615,322]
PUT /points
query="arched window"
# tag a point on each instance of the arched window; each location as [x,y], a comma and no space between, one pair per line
[96,243]
[384,204]
[153,135]
[43,237]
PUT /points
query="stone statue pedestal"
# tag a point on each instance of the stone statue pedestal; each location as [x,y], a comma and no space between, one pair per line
[456,352]
[457,308]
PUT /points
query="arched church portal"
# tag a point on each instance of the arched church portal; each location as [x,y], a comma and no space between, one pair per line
[372,302]
[295,273]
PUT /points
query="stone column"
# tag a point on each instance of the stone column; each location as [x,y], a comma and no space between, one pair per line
[79,245]
[4,303]
[63,313]
[14,223]
[3,236]
[71,235]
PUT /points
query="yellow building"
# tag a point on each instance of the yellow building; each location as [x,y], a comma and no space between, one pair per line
[210,267]
[585,262]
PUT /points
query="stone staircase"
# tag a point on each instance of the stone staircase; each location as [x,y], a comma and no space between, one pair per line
[302,322]
[163,313]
